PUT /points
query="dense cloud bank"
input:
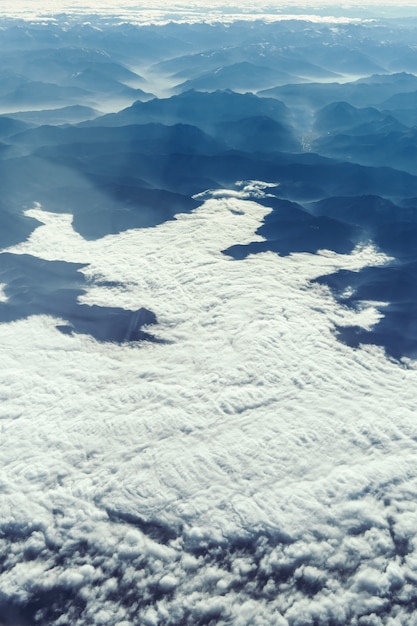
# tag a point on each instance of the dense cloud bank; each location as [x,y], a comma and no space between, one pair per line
[226,475]
[208,328]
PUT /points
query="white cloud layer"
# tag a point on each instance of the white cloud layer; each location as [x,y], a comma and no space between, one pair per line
[249,470]
[163,11]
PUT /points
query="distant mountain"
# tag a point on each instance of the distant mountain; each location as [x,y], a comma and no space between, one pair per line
[388,147]
[342,115]
[406,117]
[243,76]
[270,55]
[64,64]
[387,124]
[102,201]
[400,80]
[343,59]
[366,211]
[64,115]
[134,207]
[99,80]
[258,134]
[289,228]
[193,107]
[21,92]
[35,286]
[365,92]
[14,226]
[402,58]
[119,41]
[393,284]
[50,77]
[301,177]
[10,126]
[403,100]
[88,141]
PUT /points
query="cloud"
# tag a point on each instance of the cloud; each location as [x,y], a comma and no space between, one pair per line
[250,469]
[246,190]
[163,12]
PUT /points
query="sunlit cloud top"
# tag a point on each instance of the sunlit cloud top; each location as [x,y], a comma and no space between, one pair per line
[161,11]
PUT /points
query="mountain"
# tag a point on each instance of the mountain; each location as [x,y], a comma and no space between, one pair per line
[27,93]
[388,146]
[289,228]
[64,115]
[194,107]
[402,100]
[342,115]
[343,59]
[36,287]
[14,227]
[392,284]
[257,134]
[69,75]
[88,140]
[10,126]
[208,315]
[370,91]
[67,64]
[278,58]
[243,76]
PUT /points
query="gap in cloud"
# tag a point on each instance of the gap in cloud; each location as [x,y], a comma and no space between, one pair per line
[340,225]
[34,286]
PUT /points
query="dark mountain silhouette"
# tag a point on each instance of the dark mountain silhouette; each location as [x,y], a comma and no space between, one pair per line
[193,107]
[22,92]
[290,228]
[63,115]
[34,286]
[14,226]
[405,100]
[275,56]
[342,58]
[393,148]
[342,115]
[369,212]
[393,284]
[243,76]
[257,134]
[101,202]
[10,126]
[301,176]
[400,81]
[65,64]
[153,137]
[28,93]
[99,80]
[50,77]
[309,235]
[134,207]
[371,91]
